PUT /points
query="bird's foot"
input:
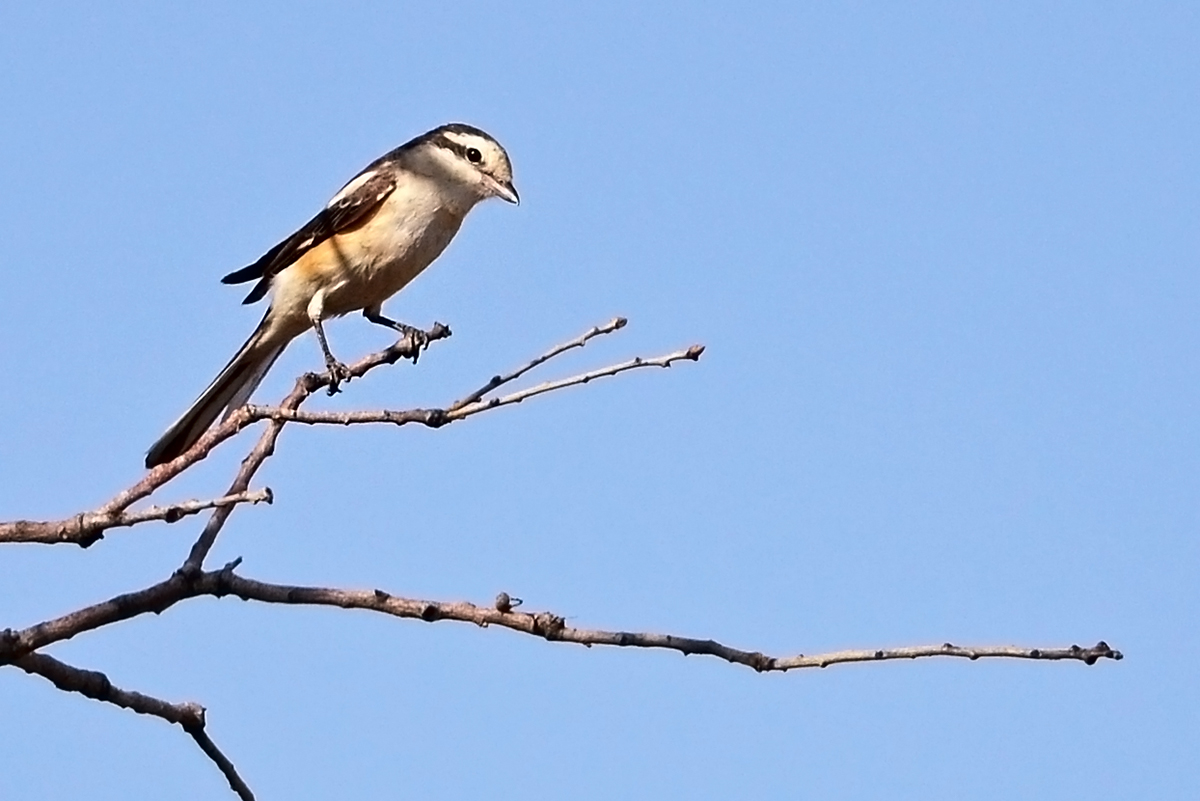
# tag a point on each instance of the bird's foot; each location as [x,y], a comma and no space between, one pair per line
[418,340]
[338,373]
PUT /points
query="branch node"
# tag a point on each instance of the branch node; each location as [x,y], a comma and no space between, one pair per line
[430,613]
[91,539]
[187,573]
[8,646]
[694,352]
[311,382]
[1099,650]
[505,603]
[195,716]
[225,578]
[548,625]
[761,662]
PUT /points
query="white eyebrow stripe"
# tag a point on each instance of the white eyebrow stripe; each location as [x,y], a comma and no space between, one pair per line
[465,140]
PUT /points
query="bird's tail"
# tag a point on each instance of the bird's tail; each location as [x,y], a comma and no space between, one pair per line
[230,390]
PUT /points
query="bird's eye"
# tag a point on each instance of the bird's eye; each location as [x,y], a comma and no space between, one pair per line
[474,156]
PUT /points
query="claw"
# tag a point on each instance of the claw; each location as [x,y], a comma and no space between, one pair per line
[338,373]
[418,339]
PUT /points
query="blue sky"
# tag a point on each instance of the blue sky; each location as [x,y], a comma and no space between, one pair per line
[942,258]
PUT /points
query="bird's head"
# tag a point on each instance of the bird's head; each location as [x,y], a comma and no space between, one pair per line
[470,158]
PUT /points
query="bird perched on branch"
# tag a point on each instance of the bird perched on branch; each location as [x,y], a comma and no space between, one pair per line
[378,233]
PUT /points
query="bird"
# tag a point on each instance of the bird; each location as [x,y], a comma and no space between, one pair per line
[374,236]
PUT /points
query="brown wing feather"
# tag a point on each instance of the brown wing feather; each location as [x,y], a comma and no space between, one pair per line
[344,212]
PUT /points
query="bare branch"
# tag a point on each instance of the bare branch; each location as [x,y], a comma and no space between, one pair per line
[615,324]
[260,453]
[436,418]
[96,685]
[155,598]
[85,529]
[552,627]
[408,347]
[21,648]
[14,645]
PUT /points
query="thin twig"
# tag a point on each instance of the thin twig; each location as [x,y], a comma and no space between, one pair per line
[688,354]
[223,763]
[435,418]
[96,685]
[254,460]
[616,324]
[87,528]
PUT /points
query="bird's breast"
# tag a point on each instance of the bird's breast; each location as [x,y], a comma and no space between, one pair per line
[370,263]
[366,265]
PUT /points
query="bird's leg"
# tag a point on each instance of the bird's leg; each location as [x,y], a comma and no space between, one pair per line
[338,372]
[418,337]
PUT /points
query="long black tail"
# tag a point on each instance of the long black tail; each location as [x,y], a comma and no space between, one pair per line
[230,390]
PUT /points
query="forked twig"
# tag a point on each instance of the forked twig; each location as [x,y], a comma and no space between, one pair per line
[616,324]
[87,528]
[435,418]
[82,529]
[688,354]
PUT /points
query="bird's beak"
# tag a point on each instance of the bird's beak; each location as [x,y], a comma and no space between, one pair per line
[504,190]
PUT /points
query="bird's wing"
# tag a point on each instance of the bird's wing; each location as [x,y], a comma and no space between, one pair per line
[352,206]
